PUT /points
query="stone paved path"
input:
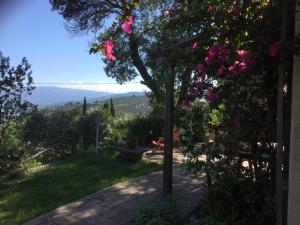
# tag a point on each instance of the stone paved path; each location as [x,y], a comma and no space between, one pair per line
[117,204]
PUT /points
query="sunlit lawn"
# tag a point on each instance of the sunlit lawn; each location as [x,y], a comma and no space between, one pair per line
[29,196]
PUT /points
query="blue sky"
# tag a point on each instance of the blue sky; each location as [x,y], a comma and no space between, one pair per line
[32,30]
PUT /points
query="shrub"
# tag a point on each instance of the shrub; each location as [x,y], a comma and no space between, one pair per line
[205,220]
[11,153]
[237,201]
[160,214]
[130,156]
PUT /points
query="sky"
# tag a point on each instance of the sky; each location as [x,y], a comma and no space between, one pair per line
[29,28]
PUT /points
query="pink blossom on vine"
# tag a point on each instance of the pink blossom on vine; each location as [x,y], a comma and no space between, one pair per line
[192,92]
[126,26]
[200,70]
[108,48]
[246,61]
[217,51]
[185,104]
[243,67]
[237,10]
[200,67]
[243,53]
[195,45]
[234,68]
[274,48]
[221,70]
[224,53]
[199,84]
[209,60]
[211,95]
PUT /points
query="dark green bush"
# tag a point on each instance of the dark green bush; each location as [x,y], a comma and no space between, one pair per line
[11,153]
[160,214]
[130,156]
[238,201]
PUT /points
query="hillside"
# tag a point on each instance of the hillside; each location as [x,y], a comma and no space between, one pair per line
[128,105]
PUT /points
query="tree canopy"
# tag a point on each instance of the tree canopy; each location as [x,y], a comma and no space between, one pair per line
[15,84]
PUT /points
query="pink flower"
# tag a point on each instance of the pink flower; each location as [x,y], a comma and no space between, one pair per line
[209,60]
[200,70]
[199,84]
[221,70]
[234,68]
[246,60]
[237,10]
[274,48]
[108,50]
[185,104]
[211,96]
[200,67]
[195,45]
[214,51]
[126,26]
[243,53]
[217,52]
[243,67]
[193,92]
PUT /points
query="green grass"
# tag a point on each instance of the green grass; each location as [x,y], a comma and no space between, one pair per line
[23,198]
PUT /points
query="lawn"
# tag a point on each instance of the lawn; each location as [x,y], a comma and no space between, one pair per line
[29,196]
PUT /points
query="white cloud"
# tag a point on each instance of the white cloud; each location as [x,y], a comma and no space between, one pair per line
[135,86]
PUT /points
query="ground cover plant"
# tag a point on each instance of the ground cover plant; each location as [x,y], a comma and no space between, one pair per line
[26,197]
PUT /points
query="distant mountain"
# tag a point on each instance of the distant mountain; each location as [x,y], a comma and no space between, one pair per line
[54,96]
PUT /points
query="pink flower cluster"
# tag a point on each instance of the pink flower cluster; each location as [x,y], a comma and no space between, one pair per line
[195,46]
[217,52]
[108,45]
[243,65]
[185,104]
[200,70]
[126,26]
[108,48]
[194,90]
[275,48]
[211,94]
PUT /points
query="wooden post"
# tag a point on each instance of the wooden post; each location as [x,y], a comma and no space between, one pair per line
[280,121]
[168,131]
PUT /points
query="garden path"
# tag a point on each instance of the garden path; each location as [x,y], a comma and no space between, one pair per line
[117,204]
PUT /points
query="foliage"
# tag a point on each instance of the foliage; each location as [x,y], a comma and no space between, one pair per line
[65,129]
[15,84]
[112,108]
[106,106]
[84,106]
[31,195]
[160,214]
[236,202]
[12,150]
[131,105]
[139,130]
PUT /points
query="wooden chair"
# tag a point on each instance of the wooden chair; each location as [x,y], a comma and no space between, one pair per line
[158,145]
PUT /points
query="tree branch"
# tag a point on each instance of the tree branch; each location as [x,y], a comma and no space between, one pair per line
[138,63]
